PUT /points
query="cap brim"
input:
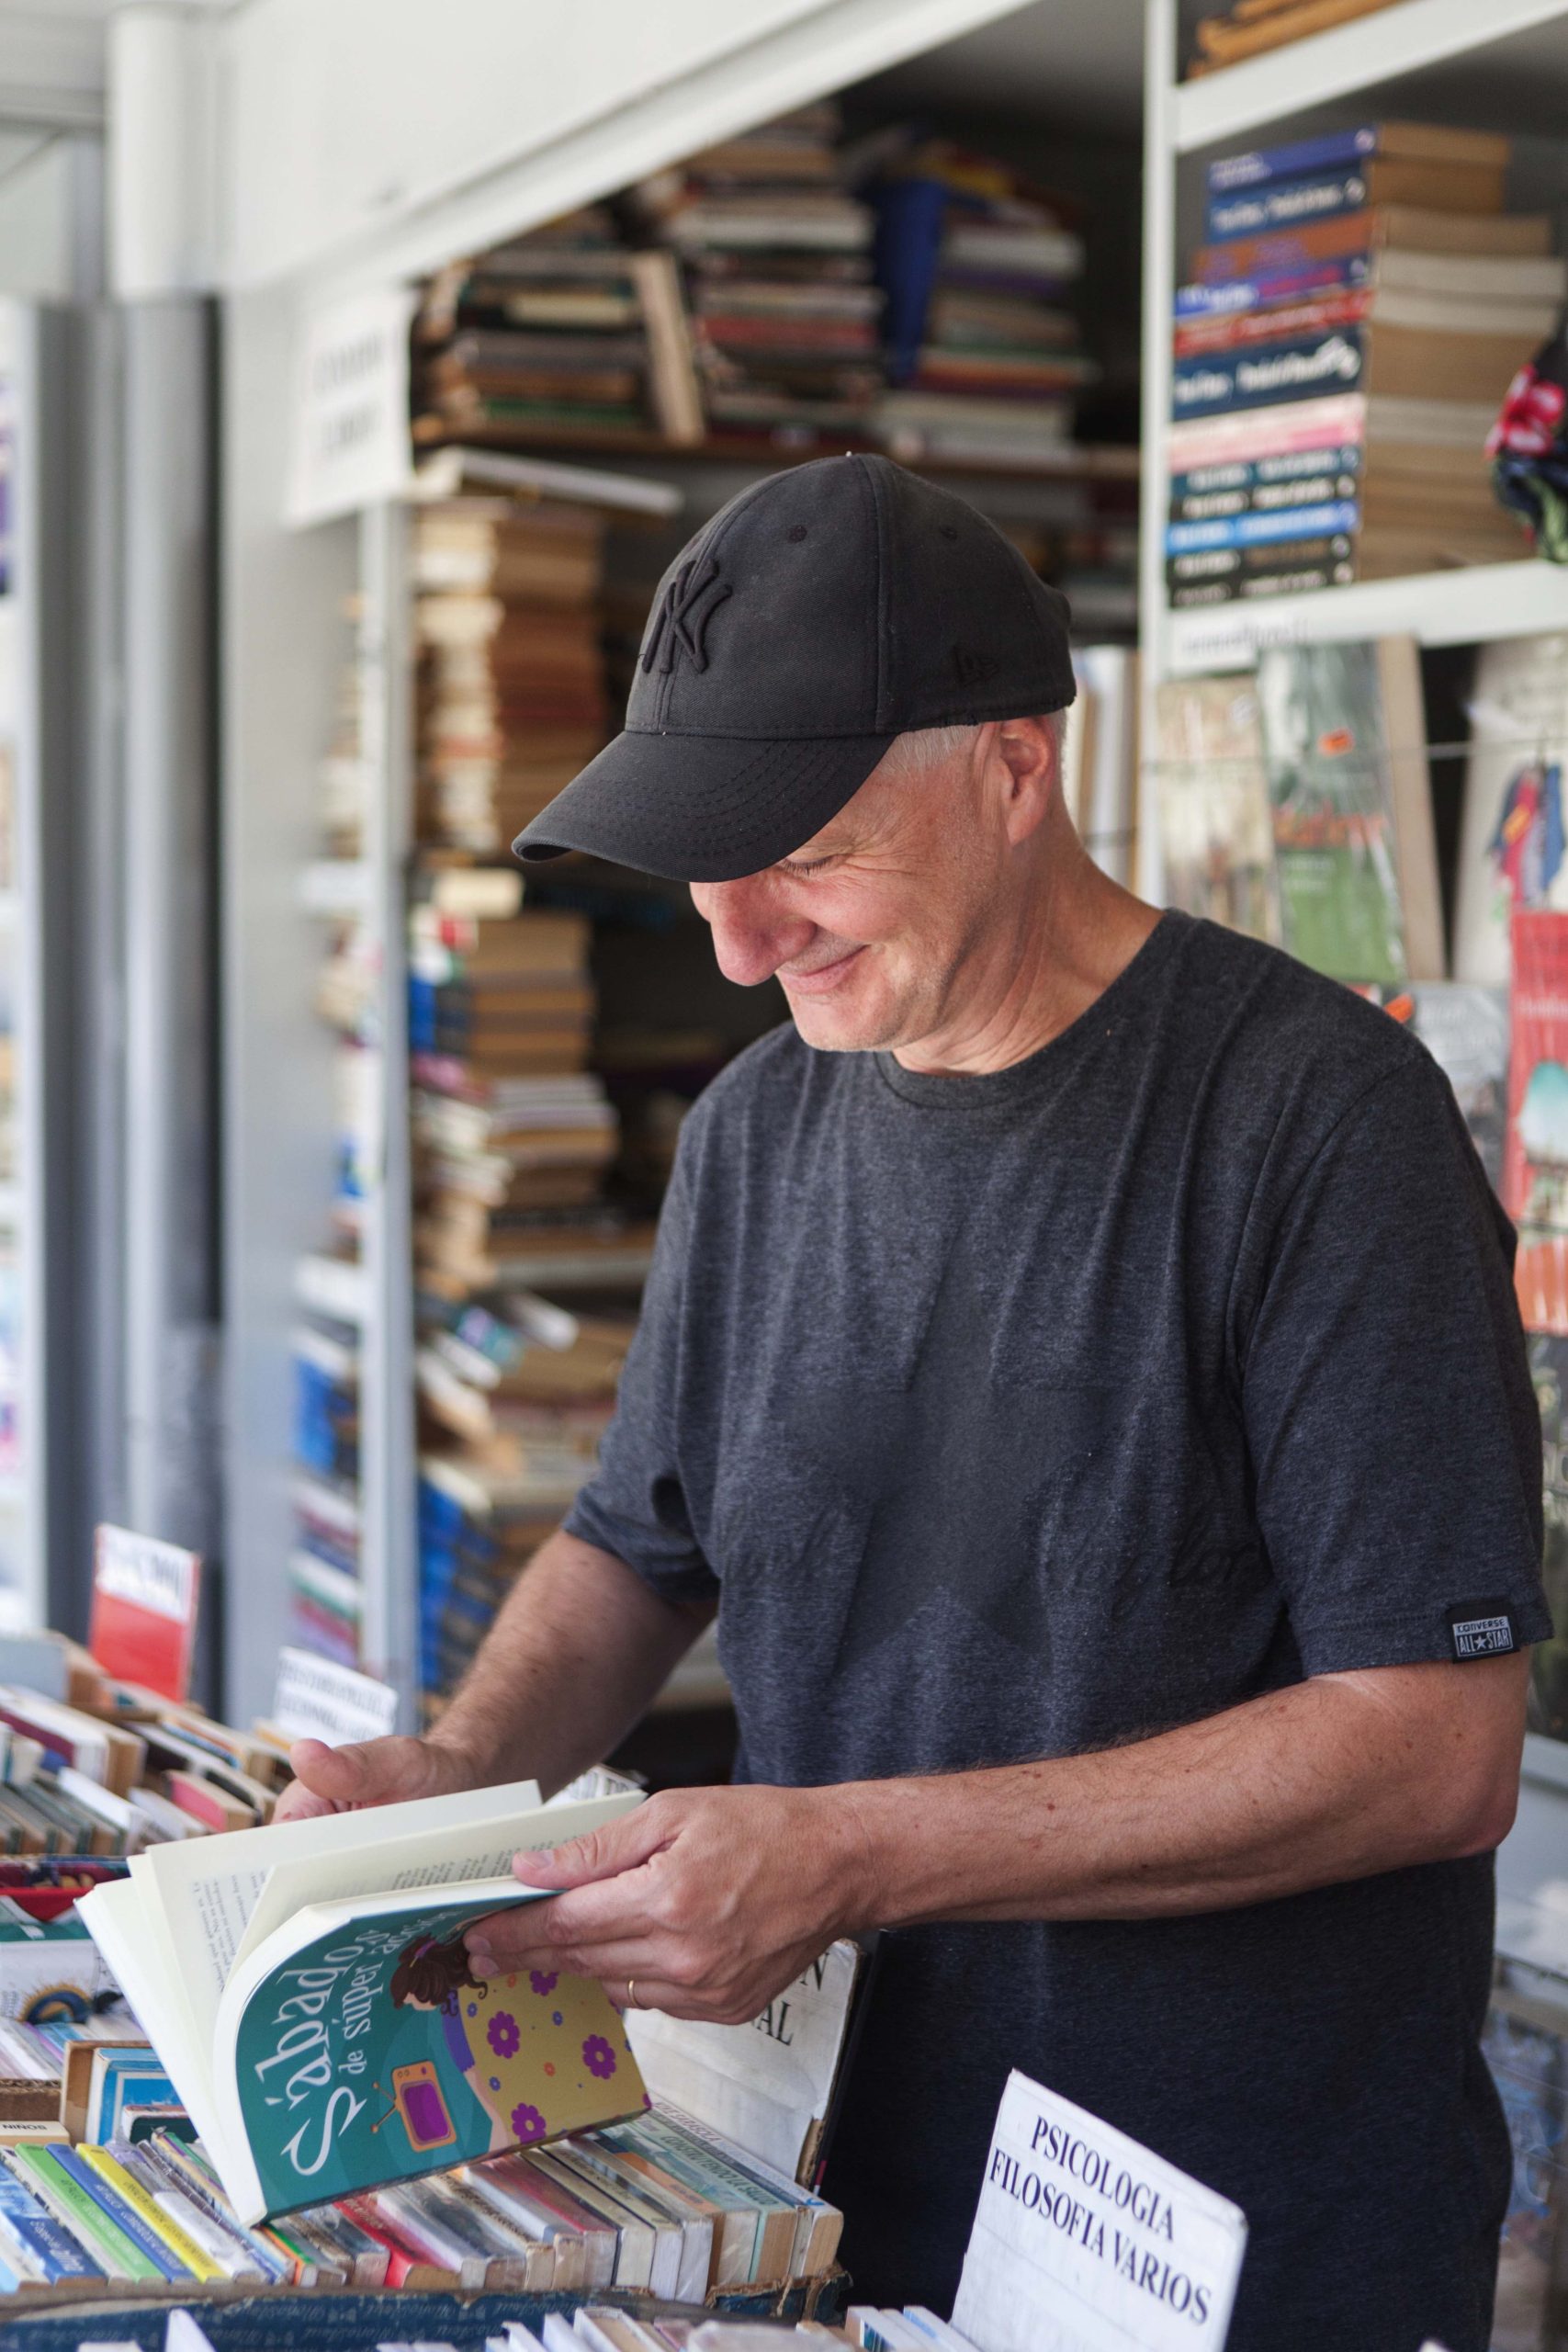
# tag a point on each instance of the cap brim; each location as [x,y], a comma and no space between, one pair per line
[702,807]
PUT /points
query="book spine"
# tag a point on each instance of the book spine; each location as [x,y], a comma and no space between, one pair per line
[1264,481]
[1336,517]
[1240,587]
[1219,383]
[1230,296]
[180,2168]
[82,2218]
[37,2238]
[1276,432]
[404,2267]
[1330,150]
[233,2258]
[1347,308]
[120,2213]
[1260,211]
[1281,250]
[160,2228]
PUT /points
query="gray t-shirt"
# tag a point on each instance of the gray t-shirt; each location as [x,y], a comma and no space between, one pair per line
[1020,1414]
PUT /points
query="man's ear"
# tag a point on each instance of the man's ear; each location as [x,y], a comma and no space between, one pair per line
[1027,750]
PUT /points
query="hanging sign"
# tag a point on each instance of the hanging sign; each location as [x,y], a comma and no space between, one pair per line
[142,1626]
[1085,2242]
[318,1699]
[351,417]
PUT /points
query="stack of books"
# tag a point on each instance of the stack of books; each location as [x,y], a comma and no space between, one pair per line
[984,357]
[1350,330]
[777,262]
[512,1139]
[81,1787]
[511,699]
[562,333]
[1251,26]
[658,2204]
[513,1134]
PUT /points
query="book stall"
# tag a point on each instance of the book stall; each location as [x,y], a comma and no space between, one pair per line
[1246,322]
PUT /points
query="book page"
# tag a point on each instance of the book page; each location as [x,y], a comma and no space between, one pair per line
[204,1891]
[142,1965]
[440,1857]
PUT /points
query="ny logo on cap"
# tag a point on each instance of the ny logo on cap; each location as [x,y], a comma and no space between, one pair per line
[681,623]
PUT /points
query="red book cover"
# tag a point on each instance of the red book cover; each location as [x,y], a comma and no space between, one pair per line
[142,1627]
[1535,1157]
[1346,308]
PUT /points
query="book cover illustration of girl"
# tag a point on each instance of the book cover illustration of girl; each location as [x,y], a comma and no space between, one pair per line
[536,2050]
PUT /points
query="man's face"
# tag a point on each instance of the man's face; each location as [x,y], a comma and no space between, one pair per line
[874,924]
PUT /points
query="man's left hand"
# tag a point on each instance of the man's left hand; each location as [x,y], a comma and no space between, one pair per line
[707,1902]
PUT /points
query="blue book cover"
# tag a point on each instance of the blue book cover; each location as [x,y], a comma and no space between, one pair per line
[29,2228]
[124,2217]
[131,2078]
[1329,150]
[1258,211]
[1216,382]
[1231,296]
[1338,517]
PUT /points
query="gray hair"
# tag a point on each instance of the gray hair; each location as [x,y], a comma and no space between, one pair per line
[928,747]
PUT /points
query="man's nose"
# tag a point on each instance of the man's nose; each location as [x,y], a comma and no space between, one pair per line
[753,935]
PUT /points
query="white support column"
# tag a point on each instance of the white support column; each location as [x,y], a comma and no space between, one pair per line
[161,151]
[387,1467]
[1159,289]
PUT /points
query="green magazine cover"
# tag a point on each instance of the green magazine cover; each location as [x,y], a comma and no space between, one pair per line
[1330,786]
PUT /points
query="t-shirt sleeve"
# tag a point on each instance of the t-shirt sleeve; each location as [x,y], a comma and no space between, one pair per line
[634,1505]
[1390,1416]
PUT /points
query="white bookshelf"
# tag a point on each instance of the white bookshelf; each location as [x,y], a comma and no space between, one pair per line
[1501,65]
[1434,49]
[1465,606]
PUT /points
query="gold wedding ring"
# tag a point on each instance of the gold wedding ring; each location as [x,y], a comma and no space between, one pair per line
[631,1993]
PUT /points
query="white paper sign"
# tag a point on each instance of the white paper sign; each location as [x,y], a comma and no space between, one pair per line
[351,417]
[765,2085]
[145,1572]
[1085,2242]
[319,1700]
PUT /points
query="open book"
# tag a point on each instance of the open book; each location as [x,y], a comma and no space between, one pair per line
[307,1989]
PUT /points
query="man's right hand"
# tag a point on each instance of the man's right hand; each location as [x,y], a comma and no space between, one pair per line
[368,1772]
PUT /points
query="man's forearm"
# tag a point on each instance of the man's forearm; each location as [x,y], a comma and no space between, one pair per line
[579,1648]
[1336,1777]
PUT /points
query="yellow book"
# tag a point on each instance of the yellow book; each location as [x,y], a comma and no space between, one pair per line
[184,2249]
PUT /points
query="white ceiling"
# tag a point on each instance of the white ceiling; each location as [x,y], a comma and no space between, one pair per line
[51,60]
[1070,63]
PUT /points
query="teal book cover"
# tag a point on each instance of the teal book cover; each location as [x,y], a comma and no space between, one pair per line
[356,2048]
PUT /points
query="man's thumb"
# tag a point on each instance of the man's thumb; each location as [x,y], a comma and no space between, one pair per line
[599,1853]
[365,1772]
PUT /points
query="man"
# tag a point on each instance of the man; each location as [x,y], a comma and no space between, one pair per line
[1081,1368]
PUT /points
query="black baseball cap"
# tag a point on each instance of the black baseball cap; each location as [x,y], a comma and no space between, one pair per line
[823,612]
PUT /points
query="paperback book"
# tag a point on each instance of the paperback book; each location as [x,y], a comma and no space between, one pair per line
[308,1990]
